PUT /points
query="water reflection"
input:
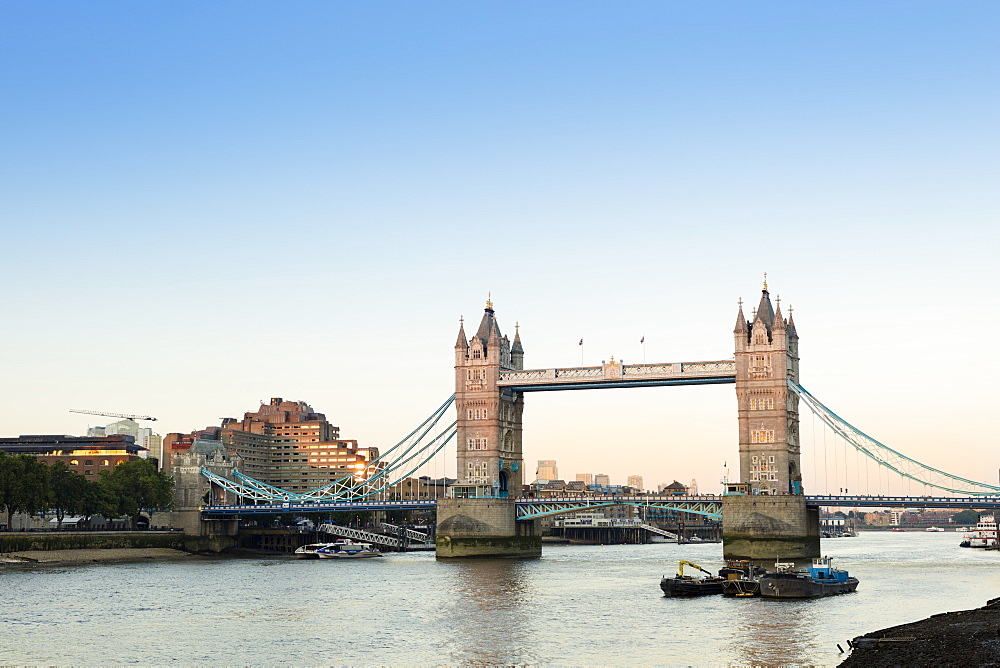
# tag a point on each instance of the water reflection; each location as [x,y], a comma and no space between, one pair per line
[770,633]
[487,615]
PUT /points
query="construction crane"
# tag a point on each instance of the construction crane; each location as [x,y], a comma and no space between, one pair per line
[117,415]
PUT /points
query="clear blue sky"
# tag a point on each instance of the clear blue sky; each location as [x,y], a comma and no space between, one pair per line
[208,204]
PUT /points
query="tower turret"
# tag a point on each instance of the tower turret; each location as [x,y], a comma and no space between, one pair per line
[516,351]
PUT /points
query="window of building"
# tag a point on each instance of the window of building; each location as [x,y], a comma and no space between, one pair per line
[74,462]
[89,462]
[106,463]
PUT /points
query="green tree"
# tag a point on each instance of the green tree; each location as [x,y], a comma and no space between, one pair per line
[966,517]
[24,485]
[136,487]
[97,500]
[68,491]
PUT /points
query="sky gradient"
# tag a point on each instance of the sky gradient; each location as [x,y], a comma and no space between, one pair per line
[206,205]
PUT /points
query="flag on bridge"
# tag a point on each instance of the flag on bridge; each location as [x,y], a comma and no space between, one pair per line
[581,342]
[643,339]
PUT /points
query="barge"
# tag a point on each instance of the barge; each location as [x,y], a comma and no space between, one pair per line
[820,579]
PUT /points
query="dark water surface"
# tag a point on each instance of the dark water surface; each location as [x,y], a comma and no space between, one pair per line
[576,605]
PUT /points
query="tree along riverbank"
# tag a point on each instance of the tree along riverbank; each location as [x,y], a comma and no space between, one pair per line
[963,638]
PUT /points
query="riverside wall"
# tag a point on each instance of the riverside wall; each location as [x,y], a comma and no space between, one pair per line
[17,541]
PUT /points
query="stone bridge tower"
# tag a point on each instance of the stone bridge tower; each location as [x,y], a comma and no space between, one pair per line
[490,462]
[192,491]
[767,356]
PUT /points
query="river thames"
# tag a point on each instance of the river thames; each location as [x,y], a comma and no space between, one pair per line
[591,605]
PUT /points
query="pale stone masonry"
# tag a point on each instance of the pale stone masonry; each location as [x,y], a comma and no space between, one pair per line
[489,416]
[767,357]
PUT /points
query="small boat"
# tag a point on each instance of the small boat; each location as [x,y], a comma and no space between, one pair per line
[820,579]
[310,551]
[742,578]
[347,549]
[934,529]
[688,585]
[897,530]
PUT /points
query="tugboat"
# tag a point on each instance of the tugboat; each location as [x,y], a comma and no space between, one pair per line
[688,585]
[742,578]
[820,579]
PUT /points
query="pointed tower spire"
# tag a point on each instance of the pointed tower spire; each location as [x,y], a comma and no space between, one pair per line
[741,322]
[765,312]
[791,322]
[516,347]
[779,322]
[463,340]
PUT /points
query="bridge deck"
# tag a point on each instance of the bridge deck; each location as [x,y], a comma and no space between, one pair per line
[527,507]
[615,374]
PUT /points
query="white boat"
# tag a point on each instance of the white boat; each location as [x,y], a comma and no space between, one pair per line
[310,551]
[984,535]
[934,529]
[347,549]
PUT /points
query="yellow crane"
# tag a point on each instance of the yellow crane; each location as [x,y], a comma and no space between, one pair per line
[681,564]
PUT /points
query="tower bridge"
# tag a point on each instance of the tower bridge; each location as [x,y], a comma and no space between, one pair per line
[770,516]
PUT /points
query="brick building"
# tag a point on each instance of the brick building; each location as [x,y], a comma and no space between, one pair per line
[86,455]
[285,444]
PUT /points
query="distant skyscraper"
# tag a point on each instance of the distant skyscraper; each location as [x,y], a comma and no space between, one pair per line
[587,478]
[635,481]
[693,487]
[602,479]
[143,436]
[547,470]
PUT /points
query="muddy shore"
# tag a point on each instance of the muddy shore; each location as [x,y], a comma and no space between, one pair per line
[963,638]
[28,557]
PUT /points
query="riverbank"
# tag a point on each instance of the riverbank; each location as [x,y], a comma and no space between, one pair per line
[88,556]
[963,638]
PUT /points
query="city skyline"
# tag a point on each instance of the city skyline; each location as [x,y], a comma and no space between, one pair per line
[304,205]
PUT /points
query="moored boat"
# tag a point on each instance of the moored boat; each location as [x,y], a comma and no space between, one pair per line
[347,549]
[742,578]
[688,585]
[984,535]
[820,579]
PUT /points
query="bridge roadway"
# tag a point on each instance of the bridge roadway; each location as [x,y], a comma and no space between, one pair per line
[616,374]
[529,508]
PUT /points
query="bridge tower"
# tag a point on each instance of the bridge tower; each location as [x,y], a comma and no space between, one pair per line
[767,356]
[490,462]
[773,521]
[480,519]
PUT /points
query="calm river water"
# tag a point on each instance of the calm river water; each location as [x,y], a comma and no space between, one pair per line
[576,605]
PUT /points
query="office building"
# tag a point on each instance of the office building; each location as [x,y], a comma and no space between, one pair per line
[86,455]
[286,444]
[547,470]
